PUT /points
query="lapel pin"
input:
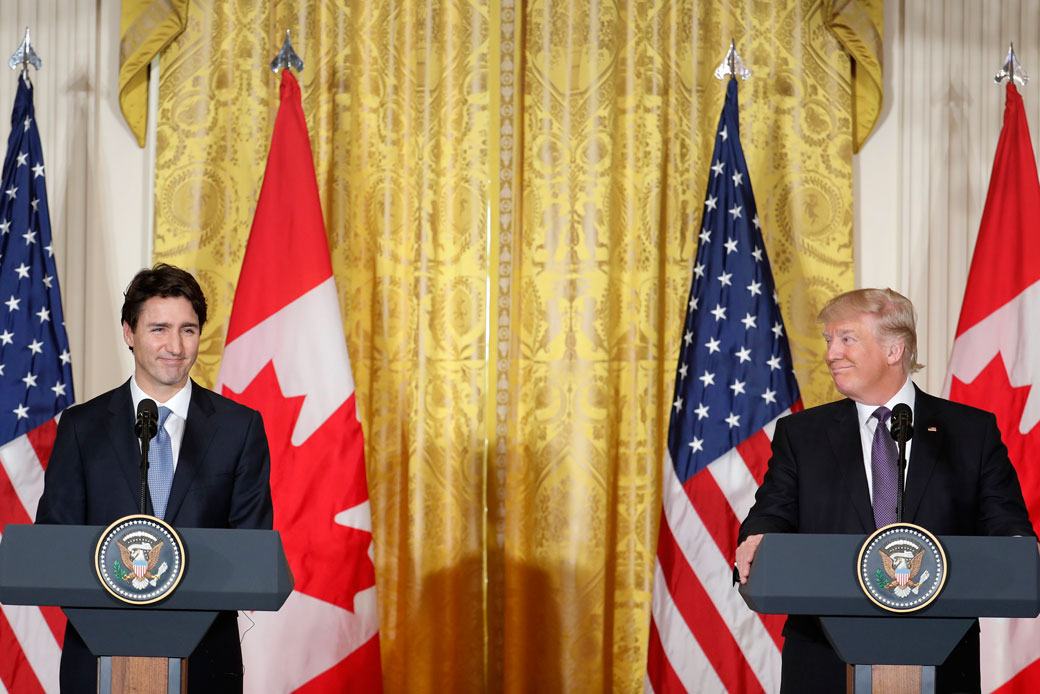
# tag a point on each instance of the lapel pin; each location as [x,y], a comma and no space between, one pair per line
[932,429]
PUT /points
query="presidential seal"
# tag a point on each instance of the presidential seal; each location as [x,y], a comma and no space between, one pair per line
[902,567]
[139,559]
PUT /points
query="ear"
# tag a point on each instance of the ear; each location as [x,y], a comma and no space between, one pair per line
[128,336]
[895,353]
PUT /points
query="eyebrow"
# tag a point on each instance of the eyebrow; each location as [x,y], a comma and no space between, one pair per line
[167,324]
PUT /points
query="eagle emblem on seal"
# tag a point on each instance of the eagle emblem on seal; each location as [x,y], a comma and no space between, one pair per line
[140,564]
[902,568]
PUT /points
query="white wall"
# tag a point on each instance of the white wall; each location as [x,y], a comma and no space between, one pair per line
[98,181]
[922,177]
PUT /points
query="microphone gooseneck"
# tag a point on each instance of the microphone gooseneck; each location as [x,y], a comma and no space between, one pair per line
[146,427]
[902,429]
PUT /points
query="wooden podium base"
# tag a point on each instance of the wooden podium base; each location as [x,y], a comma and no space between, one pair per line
[120,675]
[890,679]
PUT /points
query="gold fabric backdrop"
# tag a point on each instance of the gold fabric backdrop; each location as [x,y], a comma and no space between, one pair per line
[511,192]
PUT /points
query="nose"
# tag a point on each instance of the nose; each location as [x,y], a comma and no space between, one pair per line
[175,343]
[833,351]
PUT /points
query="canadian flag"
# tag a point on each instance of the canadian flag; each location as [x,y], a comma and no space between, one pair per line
[286,356]
[995,364]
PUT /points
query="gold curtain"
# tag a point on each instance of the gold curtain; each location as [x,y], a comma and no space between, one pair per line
[511,191]
[616,120]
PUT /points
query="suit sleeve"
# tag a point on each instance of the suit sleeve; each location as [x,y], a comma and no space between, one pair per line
[1002,510]
[251,498]
[64,486]
[776,502]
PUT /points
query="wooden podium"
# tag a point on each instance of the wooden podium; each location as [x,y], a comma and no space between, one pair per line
[143,648]
[986,577]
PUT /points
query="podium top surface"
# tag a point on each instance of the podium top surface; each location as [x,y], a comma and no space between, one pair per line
[224,570]
[817,575]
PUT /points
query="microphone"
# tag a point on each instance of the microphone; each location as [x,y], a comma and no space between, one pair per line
[902,430]
[146,427]
[147,424]
[902,418]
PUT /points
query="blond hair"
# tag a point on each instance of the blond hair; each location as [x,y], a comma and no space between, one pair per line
[895,315]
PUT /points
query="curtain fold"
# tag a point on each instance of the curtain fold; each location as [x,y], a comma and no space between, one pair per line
[859,26]
[512,192]
[147,27]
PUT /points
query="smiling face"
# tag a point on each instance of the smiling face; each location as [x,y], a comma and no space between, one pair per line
[865,368]
[165,344]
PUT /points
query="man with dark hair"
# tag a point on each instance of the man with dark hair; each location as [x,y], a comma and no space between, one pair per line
[824,476]
[220,472]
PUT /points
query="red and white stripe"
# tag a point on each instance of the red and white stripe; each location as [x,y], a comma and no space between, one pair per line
[30,637]
[703,638]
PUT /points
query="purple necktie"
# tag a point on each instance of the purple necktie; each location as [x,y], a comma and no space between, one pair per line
[883,453]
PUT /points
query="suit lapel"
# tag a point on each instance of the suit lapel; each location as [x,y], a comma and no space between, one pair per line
[198,431]
[848,451]
[924,453]
[127,452]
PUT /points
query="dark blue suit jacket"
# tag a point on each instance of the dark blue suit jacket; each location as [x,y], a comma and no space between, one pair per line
[959,478]
[959,482]
[222,481]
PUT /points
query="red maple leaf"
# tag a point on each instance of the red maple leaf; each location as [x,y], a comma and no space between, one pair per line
[312,483]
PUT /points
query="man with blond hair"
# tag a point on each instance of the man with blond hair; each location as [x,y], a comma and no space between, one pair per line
[821,478]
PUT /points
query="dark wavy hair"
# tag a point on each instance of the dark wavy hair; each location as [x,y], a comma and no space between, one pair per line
[163,281]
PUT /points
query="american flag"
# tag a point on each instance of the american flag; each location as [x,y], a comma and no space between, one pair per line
[35,384]
[734,380]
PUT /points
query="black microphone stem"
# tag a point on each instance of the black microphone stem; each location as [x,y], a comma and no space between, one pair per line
[901,430]
[902,479]
[144,473]
[145,427]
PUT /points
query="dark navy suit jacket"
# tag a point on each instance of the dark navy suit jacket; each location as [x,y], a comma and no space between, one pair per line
[222,480]
[959,482]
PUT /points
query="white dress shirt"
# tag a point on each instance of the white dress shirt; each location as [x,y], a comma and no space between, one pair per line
[868,424]
[178,418]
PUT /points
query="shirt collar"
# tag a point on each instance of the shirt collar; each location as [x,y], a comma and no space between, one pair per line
[906,395]
[177,405]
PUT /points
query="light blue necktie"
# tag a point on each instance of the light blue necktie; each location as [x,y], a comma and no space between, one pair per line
[160,466]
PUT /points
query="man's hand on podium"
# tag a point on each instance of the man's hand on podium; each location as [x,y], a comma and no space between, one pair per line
[745,555]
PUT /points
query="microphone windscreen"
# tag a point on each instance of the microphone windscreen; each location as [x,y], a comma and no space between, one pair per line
[147,424]
[902,412]
[902,418]
[148,407]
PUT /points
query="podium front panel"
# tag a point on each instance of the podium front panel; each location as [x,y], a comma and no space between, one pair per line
[908,641]
[141,632]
